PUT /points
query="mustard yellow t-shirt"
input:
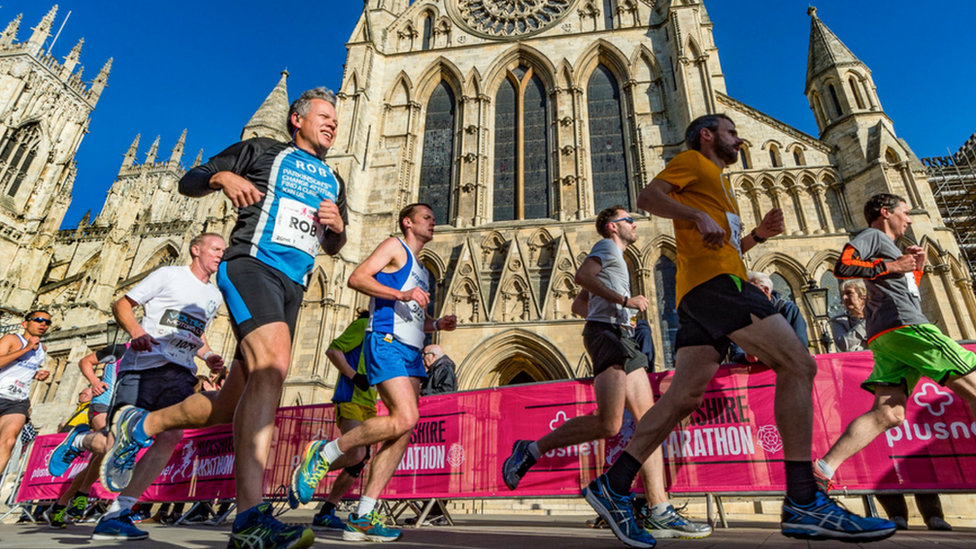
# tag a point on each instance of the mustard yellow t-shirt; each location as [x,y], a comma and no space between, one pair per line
[701,186]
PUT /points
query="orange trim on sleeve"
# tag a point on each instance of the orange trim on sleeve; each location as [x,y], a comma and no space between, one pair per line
[849,260]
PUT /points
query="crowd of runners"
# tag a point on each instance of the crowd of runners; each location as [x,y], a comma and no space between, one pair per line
[292,206]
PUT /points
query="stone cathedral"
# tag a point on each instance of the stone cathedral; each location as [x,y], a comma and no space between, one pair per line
[517,121]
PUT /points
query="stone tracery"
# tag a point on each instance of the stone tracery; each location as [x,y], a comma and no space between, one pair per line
[502,19]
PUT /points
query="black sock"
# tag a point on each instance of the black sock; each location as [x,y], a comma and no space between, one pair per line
[56,507]
[801,486]
[622,473]
[327,508]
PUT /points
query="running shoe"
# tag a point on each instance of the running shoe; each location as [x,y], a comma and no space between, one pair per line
[672,524]
[372,527]
[824,484]
[118,527]
[938,524]
[597,523]
[257,528]
[54,515]
[64,454]
[517,464]
[328,522]
[308,474]
[618,511]
[77,506]
[121,458]
[825,519]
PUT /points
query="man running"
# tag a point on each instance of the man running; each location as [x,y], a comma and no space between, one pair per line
[904,344]
[619,377]
[716,305]
[21,357]
[397,284]
[291,205]
[74,501]
[159,370]
[355,402]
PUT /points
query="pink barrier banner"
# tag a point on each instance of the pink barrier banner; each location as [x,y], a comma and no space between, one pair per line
[729,445]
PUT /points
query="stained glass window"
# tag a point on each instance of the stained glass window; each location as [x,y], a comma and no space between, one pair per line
[506,140]
[609,9]
[609,161]
[536,150]
[428,33]
[664,279]
[437,166]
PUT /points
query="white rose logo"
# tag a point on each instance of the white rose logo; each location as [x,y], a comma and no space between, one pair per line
[455,456]
[769,439]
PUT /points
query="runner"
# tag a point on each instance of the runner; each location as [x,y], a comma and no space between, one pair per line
[355,402]
[619,378]
[290,205]
[74,501]
[396,282]
[157,371]
[716,304]
[21,356]
[905,346]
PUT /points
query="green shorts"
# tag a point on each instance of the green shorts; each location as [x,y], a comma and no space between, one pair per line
[903,356]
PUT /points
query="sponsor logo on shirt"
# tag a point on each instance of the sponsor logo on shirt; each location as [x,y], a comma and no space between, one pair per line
[183,321]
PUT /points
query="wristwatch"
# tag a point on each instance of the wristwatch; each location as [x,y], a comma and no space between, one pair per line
[756,238]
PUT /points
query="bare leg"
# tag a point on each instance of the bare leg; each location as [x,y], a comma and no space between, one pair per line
[774,342]
[965,387]
[400,391]
[610,388]
[888,411]
[267,352]
[10,427]
[640,398]
[345,481]
[201,409]
[400,395]
[151,464]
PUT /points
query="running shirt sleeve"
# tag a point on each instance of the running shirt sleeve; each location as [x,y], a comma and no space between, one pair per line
[682,171]
[852,265]
[150,286]
[236,158]
[351,338]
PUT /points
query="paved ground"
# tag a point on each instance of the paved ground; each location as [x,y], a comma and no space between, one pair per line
[486,532]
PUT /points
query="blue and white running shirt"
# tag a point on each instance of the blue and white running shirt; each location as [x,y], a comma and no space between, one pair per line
[403,320]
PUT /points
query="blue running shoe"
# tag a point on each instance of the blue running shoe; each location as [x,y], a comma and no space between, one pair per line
[618,511]
[257,528]
[517,464]
[120,527]
[328,522]
[825,519]
[64,453]
[372,527]
[121,458]
[308,474]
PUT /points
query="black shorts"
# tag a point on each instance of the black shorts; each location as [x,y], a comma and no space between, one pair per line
[256,295]
[610,345]
[716,308]
[153,389]
[8,406]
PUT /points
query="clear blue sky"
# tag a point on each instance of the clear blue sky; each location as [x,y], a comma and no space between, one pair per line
[207,65]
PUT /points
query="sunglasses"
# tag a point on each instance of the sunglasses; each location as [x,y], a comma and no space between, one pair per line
[40,320]
[627,219]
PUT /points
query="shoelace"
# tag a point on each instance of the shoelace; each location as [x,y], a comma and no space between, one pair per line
[377,519]
[70,454]
[319,471]
[79,504]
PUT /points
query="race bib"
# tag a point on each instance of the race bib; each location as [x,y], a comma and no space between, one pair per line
[735,231]
[182,348]
[297,226]
[912,286]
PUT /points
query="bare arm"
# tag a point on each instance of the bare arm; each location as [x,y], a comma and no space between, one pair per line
[87,366]
[587,277]
[213,360]
[655,199]
[581,304]
[10,349]
[338,358]
[772,225]
[388,255]
[123,309]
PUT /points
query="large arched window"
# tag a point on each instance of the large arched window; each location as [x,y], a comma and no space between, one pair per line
[781,286]
[521,182]
[834,304]
[607,150]
[664,279]
[437,166]
[16,156]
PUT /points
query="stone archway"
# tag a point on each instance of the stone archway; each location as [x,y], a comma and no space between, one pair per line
[511,357]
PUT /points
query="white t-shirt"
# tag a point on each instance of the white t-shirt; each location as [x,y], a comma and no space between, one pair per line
[178,309]
[16,377]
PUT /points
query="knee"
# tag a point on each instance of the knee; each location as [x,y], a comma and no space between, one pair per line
[272,375]
[406,422]
[891,417]
[609,427]
[7,443]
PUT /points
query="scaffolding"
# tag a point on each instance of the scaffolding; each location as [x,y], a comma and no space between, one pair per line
[953,182]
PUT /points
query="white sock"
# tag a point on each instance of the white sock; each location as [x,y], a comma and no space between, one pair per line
[660,508]
[121,503]
[827,470]
[366,506]
[79,443]
[331,452]
[534,450]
